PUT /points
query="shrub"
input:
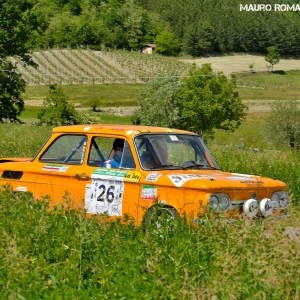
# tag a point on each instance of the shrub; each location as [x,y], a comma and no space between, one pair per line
[58,111]
[282,126]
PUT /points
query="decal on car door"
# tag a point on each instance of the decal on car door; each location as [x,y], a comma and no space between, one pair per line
[105,194]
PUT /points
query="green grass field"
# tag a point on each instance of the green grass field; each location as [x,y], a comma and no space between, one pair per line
[259,86]
[106,94]
[269,86]
[64,255]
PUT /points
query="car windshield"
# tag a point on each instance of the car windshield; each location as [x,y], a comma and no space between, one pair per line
[173,151]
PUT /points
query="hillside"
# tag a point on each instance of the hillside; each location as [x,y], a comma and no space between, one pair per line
[96,67]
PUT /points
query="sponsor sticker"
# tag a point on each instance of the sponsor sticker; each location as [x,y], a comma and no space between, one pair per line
[247,180]
[21,188]
[179,179]
[241,178]
[153,176]
[55,168]
[127,176]
[173,138]
[149,192]
[132,177]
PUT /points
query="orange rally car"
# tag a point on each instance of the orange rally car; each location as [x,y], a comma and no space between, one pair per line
[124,169]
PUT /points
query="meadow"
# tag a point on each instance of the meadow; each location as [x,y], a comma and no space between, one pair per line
[260,86]
[61,254]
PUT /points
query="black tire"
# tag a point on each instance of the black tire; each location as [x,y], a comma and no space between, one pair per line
[161,220]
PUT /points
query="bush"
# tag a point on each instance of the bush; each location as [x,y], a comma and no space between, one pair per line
[282,126]
[58,111]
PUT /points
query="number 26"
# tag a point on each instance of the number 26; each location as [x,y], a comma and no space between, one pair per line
[109,193]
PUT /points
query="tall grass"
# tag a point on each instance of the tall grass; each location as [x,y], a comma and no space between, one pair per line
[63,254]
[22,140]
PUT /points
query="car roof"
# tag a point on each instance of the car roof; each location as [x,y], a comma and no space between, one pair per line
[116,129]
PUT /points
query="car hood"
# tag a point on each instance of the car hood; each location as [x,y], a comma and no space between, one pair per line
[211,179]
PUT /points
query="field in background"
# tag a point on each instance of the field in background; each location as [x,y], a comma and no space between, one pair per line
[81,95]
[240,63]
[114,78]
[257,89]
[97,67]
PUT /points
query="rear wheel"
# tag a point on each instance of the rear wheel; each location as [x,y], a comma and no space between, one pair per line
[161,220]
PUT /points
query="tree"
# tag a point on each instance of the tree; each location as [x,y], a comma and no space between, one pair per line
[167,43]
[272,57]
[135,20]
[13,37]
[202,102]
[57,110]
[282,126]
[208,101]
[159,102]
[11,87]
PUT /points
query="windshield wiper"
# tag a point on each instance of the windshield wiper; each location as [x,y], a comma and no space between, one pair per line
[191,164]
[163,167]
[194,166]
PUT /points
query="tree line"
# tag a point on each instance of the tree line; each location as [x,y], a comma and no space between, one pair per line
[201,103]
[194,27]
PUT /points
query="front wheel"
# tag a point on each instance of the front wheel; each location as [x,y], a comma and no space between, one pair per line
[161,220]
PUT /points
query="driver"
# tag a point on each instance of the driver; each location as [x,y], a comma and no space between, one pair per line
[115,159]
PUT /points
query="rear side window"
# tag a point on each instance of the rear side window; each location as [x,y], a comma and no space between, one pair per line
[67,149]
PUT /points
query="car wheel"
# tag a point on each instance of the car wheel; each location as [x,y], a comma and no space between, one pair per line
[161,220]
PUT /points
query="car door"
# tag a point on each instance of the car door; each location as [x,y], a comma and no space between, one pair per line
[60,166]
[111,191]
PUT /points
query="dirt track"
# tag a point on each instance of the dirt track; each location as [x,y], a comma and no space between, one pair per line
[254,106]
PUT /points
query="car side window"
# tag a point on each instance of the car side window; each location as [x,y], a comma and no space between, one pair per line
[68,149]
[108,152]
[101,149]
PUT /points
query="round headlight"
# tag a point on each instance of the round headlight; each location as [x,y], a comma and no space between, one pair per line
[219,202]
[223,202]
[275,200]
[284,200]
[280,200]
[213,202]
